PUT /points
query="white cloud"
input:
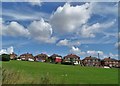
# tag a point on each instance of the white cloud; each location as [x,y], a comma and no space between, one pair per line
[63,42]
[7,51]
[38,30]
[0,26]
[41,31]
[104,9]
[119,35]
[68,43]
[77,51]
[30,15]
[113,55]
[117,45]
[14,29]
[0,20]
[34,2]
[94,53]
[68,18]
[90,31]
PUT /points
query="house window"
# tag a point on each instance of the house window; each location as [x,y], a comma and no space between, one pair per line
[88,60]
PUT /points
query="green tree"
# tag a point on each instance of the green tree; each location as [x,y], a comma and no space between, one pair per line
[5,57]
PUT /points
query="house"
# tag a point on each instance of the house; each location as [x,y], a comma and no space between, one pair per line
[110,62]
[91,61]
[118,63]
[27,57]
[13,56]
[41,57]
[55,58]
[72,58]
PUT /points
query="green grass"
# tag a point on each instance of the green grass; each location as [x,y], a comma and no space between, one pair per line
[38,72]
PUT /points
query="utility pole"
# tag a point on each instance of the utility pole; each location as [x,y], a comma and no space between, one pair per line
[98,56]
[18,52]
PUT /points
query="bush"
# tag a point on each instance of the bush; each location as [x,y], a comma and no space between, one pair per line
[5,57]
[67,63]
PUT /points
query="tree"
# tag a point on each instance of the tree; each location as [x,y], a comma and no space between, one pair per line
[5,57]
[71,60]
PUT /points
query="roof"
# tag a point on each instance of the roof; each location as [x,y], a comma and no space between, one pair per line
[109,59]
[41,55]
[26,54]
[91,58]
[72,56]
[55,55]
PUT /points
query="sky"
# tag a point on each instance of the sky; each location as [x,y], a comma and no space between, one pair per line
[81,28]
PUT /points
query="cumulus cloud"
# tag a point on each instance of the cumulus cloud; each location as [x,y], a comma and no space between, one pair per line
[76,50]
[7,51]
[38,30]
[68,18]
[68,43]
[90,31]
[41,31]
[14,29]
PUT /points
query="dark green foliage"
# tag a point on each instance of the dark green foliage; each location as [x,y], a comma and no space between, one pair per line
[5,57]
[67,63]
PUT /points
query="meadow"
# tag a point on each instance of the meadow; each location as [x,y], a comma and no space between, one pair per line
[24,72]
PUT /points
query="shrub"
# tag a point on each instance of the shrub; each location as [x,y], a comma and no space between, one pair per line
[5,57]
[67,63]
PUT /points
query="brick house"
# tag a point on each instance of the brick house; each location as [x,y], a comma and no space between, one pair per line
[91,61]
[119,63]
[13,56]
[72,58]
[110,62]
[26,57]
[41,57]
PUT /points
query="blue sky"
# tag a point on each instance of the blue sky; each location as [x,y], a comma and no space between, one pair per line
[58,27]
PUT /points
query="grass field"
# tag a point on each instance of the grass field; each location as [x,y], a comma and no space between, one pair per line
[46,73]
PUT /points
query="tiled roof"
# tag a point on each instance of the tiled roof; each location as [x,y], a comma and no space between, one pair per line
[72,56]
[26,54]
[109,59]
[41,55]
[55,55]
[91,58]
